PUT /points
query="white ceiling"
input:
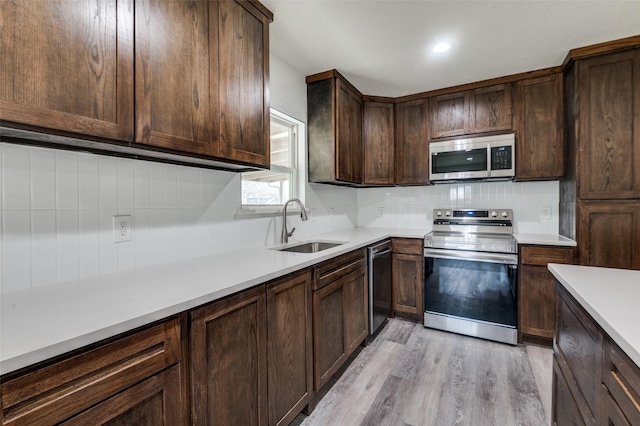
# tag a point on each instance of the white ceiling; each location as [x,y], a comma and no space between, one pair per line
[384,47]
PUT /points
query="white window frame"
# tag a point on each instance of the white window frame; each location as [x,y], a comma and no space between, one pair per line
[298,175]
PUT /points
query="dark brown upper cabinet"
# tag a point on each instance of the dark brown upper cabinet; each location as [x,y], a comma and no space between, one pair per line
[412,142]
[334,111]
[68,67]
[379,143]
[608,126]
[480,110]
[201,78]
[539,127]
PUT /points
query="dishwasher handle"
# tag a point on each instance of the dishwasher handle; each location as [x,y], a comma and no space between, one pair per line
[375,254]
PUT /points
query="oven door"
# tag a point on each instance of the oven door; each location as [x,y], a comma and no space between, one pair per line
[472,293]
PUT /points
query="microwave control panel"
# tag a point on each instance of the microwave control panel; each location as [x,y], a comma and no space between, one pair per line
[501,158]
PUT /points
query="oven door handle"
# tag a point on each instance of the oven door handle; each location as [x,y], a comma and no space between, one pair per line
[508,259]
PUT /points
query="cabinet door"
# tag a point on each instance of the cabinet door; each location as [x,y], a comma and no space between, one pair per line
[578,349]
[68,66]
[537,301]
[328,332]
[174,71]
[348,134]
[229,361]
[611,413]
[450,115]
[379,134]
[490,109]
[412,147]
[289,346]
[609,234]
[355,309]
[408,284]
[565,409]
[540,140]
[241,33]
[609,126]
[537,290]
[155,401]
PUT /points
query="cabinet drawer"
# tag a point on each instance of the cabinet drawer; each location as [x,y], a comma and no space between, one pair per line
[543,255]
[408,245]
[332,269]
[53,393]
[622,378]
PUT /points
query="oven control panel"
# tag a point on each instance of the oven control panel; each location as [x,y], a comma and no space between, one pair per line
[476,214]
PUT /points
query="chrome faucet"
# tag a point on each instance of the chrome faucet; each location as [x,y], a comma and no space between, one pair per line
[303,216]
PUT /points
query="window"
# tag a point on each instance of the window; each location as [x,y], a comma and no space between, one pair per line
[275,186]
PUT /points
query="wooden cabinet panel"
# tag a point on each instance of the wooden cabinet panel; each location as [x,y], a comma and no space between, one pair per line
[228,360]
[335,114]
[537,291]
[407,272]
[611,413]
[176,63]
[328,332]
[539,124]
[609,126]
[450,115]
[407,245]
[578,347]
[68,66]
[243,60]
[379,143]
[348,133]
[490,109]
[609,234]
[54,393]
[412,143]
[537,301]
[340,312]
[289,344]
[356,309]
[622,378]
[155,401]
[565,407]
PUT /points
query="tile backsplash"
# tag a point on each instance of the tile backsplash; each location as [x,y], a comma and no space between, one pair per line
[412,207]
[57,210]
[58,206]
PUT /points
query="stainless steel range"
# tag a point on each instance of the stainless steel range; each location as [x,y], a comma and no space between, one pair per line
[471,274]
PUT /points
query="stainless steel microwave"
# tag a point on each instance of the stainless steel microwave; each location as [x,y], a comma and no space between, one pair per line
[481,158]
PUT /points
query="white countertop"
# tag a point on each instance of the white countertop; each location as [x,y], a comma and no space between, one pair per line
[611,297]
[545,240]
[44,322]
[49,321]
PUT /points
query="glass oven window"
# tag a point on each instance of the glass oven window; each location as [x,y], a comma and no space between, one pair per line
[470,289]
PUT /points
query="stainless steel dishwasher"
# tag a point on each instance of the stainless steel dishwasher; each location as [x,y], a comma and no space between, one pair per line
[379,284]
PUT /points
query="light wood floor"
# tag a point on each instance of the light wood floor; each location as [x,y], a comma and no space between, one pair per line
[411,375]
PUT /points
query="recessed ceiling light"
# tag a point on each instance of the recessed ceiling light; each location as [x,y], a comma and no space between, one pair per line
[441,47]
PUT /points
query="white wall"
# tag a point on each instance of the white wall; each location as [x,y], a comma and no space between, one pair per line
[412,207]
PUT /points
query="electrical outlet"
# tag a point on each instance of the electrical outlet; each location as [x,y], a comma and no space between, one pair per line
[545,213]
[380,211]
[122,228]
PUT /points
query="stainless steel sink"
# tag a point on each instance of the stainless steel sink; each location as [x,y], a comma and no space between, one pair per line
[311,247]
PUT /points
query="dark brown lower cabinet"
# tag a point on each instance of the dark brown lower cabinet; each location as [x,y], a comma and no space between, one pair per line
[340,311]
[251,355]
[151,402]
[537,291]
[229,360]
[289,346]
[594,381]
[136,379]
[407,267]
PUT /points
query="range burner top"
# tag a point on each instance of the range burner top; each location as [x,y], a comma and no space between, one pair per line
[489,230]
